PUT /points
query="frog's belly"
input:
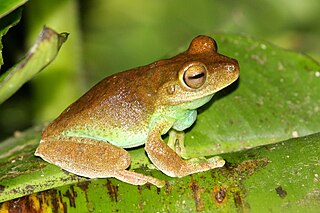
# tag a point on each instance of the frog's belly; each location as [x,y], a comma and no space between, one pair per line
[117,137]
[129,139]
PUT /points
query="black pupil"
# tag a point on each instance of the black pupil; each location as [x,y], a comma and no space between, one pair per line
[200,75]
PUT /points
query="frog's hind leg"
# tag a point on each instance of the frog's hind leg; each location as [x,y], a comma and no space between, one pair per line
[92,158]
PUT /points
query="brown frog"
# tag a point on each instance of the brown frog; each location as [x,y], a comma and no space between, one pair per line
[136,107]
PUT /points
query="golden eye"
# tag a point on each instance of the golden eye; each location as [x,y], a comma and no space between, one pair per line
[195,76]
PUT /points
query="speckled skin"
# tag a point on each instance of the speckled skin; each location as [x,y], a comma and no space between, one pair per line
[135,107]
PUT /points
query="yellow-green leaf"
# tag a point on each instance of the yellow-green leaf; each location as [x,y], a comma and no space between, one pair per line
[39,56]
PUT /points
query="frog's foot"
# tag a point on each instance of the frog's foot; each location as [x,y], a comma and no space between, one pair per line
[215,162]
[92,159]
[137,178]
[195,165]
[170,163]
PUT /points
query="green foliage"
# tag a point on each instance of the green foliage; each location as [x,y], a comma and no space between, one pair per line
[61,83]
[6,23]
[8,6]
[39,56]
[278,177]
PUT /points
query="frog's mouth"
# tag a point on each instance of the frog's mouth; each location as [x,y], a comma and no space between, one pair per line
[196,103]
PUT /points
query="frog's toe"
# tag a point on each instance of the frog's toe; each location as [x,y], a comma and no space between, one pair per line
[216,161]
[134,178]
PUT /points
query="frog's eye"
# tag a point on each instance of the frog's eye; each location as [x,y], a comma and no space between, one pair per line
[195,75]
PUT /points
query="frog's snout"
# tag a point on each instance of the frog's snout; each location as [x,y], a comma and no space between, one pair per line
[231,68]
[231,71]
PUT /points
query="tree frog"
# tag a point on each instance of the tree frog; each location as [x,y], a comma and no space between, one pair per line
[136,107]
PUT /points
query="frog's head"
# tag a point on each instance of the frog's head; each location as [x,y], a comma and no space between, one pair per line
[201,72]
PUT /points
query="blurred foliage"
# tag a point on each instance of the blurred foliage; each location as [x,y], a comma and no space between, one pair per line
[110,36]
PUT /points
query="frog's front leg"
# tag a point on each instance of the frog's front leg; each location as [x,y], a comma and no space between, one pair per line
[92,158]
[170,163]
[176,142]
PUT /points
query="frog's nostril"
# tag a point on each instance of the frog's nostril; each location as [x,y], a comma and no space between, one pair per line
[230,67]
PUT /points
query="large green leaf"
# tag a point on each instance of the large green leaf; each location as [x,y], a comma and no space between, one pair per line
[279,177]
[275,99]
[39,56]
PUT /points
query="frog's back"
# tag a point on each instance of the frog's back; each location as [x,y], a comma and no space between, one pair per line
[117,107]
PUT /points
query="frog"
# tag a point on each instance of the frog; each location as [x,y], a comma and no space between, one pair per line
[91,137]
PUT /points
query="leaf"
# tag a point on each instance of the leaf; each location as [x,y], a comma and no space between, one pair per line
[8,6]
[39,56]
[9,16]
[22,172]
[277,177]
[5,24]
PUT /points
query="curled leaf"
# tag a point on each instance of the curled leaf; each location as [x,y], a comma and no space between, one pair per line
[42,53]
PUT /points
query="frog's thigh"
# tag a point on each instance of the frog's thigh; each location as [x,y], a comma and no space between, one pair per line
[93,159]
[90,158]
